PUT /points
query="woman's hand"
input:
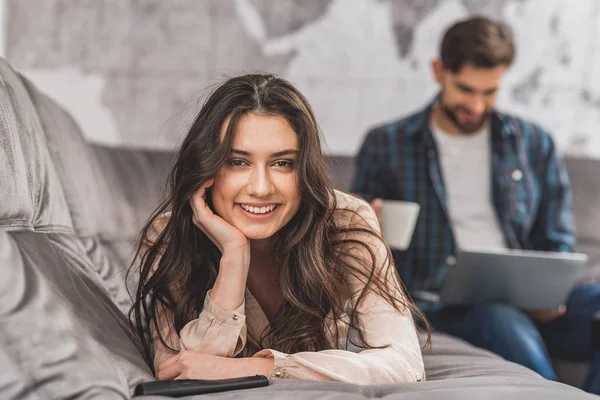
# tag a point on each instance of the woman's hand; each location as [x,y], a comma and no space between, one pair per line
[229,287]
[190,364]
[224,235]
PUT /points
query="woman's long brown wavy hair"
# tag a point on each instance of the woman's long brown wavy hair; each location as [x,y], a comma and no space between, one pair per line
[182,263]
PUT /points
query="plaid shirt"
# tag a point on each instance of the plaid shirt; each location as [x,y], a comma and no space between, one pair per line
[530,190]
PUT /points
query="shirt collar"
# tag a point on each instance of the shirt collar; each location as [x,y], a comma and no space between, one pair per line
[500,122]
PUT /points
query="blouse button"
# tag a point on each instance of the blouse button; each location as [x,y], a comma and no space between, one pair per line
[517,175]
[235,317]
[278,374]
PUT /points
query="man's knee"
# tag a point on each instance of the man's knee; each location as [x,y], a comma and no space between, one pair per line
[505,330]
[504,323]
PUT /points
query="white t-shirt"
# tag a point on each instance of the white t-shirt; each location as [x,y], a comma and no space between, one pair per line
[466,170]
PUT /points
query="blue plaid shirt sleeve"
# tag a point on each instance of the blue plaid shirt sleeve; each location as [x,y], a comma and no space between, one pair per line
[369,177]
[553,229]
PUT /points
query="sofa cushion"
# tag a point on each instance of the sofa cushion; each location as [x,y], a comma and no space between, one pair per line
[32,197]
[60,260]
[489,388]
[35,209]
[45,347]
[87,191]
[109,193]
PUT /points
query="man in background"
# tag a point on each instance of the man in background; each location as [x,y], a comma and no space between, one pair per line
[483,179]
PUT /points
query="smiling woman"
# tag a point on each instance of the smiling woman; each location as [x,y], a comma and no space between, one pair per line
[257,190]
[254,264]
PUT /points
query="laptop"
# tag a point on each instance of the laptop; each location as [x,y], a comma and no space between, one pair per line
[527,279]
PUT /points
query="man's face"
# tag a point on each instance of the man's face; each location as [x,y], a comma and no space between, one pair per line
[468,96]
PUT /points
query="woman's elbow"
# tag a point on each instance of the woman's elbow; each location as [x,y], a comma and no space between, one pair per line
[403,370]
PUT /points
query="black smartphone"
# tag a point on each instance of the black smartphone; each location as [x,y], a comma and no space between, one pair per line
[189,387]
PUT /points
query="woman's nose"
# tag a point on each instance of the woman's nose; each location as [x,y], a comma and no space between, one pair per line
[260,183]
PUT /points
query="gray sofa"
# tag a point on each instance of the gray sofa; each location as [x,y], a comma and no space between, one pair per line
[70,215]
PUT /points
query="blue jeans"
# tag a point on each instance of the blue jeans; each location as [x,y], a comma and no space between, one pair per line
[508,332]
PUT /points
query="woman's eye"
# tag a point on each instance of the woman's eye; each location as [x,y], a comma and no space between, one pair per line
[284,164]
[237,163]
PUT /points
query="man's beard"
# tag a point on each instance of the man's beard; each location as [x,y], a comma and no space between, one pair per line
[467,128]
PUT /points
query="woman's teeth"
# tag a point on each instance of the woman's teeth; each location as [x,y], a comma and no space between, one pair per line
[259,210]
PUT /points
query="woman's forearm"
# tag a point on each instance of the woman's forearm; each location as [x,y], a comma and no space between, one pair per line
[230,285]
[257,366]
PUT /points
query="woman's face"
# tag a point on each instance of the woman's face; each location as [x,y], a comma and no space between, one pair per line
[257,190]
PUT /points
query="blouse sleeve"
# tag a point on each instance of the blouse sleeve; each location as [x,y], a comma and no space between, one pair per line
[216,331]
[383,325]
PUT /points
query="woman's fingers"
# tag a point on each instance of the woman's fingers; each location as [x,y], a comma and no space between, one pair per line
[169,372]
[221,233]
[205,187]
[198,201]
[169,361]
[201,218]
[202,214]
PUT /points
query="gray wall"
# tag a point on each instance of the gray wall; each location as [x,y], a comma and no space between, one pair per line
[132,72]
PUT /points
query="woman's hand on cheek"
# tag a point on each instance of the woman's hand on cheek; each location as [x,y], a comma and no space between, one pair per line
[224,235]
[190,364]
[228,289]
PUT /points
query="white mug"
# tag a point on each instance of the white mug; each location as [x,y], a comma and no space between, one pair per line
[399,219]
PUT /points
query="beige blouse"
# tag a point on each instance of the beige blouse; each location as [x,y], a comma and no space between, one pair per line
[228,333]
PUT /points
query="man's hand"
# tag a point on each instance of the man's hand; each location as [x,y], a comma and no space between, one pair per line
[190,364]
[547,316]
[377,205]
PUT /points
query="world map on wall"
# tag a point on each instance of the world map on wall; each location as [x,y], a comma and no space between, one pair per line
[135,72]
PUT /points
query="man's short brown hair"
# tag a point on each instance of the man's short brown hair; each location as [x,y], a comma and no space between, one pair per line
[479,41]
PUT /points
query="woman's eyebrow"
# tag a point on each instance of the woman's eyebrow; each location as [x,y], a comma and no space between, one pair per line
[276,154]
[284,153]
